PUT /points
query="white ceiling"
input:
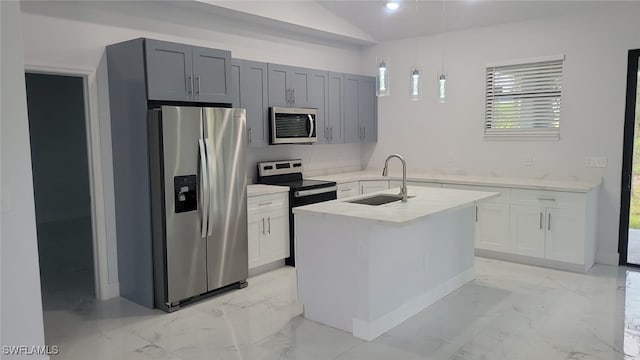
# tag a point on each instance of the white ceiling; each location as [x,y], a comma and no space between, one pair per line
[372,17]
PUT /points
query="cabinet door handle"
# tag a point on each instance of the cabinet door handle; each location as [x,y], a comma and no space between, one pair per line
[293,96]
[269,220]
[546,199]
[249,134]
[476,213]
[197,85]
[262,226]
[364,132]
[331,132]
[287,96]
[189,84]
[549,222]
[541,220]
[265,204]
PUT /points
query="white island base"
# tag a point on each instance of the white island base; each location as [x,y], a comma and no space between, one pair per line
[367,276]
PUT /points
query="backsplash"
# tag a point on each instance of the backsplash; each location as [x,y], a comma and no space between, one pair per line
[318,159]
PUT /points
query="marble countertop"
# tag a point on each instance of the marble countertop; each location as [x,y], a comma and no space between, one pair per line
[259,189]
[512,182]
[426,202]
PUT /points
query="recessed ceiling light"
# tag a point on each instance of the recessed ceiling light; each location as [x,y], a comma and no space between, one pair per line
[392,5]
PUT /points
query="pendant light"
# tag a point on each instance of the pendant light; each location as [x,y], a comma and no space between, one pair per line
[442,79]
[415,83]
[382,78]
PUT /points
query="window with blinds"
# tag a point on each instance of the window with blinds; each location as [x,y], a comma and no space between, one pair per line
[523,101]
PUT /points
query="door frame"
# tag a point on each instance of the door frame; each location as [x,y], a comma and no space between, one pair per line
[627,154]
[103,288]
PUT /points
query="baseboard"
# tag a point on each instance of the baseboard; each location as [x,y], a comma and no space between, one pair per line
[369,330]
[110,291]
[607,258]
[266,267]
[530,260]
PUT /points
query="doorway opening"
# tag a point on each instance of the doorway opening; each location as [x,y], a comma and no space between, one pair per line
[629,237]
[60,163]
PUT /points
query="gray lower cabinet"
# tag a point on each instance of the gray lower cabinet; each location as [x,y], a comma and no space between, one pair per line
[179,72]
[360,109]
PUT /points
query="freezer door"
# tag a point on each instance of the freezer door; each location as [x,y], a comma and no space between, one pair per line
[185,241]
[227,254]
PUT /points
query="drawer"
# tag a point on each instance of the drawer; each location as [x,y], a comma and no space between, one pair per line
[547,198]
[268,202]
[423,183]
[502,199]
[348,189]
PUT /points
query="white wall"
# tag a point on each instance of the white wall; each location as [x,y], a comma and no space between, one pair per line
[73,35]
[449,137]
[21,306]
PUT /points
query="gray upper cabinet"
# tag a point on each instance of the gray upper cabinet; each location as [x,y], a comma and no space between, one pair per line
[317,97]
[236,65]
[360,109]
[333,126]
[352,131]
[178,72]
[253,98]
[169,69]
[289,86]
[368,109]
[212,75]
[279,85]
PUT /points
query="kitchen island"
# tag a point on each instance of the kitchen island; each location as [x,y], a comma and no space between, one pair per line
[365,269]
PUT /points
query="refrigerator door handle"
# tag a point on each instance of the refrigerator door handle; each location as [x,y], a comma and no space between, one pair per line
[210,153]
[204,188]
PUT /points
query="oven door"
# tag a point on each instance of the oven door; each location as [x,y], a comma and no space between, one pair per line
[293,126]
[306,197]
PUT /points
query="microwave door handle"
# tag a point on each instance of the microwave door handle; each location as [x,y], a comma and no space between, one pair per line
[204,189]
[311,124]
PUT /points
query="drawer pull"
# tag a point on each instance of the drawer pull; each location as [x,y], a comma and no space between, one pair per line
[549,222]
[265,204]
[546,199]
[346,189]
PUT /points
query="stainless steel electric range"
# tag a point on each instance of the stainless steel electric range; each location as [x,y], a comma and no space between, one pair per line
[301,191]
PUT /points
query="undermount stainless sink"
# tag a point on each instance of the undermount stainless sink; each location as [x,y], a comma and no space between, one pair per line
[376,200]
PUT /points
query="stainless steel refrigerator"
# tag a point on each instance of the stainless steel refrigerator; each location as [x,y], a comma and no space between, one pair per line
[199,202]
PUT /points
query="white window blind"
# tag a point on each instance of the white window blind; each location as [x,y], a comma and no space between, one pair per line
[523,101]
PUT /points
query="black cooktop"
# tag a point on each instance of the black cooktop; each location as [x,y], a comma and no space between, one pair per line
[295,185]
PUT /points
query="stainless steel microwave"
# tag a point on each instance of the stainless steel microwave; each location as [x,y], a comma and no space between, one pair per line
[293,125]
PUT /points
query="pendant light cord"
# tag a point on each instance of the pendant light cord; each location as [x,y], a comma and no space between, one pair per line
[442,34]
[417,25]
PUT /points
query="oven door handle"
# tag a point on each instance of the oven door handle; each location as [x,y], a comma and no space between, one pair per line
[323,190]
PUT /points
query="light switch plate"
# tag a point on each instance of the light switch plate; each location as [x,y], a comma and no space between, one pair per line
[595,161]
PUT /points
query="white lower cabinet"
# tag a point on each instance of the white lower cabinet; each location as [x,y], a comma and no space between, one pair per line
[552,225]
[527,230]
[492,226]
[369,186]
[268,221]
[492,218]
[348,189]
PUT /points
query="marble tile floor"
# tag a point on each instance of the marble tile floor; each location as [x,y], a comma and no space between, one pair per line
[510,311]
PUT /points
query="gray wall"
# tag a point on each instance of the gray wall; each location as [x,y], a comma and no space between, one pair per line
[58,146]
[21,306]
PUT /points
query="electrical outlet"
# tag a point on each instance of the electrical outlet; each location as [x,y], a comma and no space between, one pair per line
[528,161]
[595,161]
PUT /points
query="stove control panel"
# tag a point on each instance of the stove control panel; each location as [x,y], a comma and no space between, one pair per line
[269,168]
